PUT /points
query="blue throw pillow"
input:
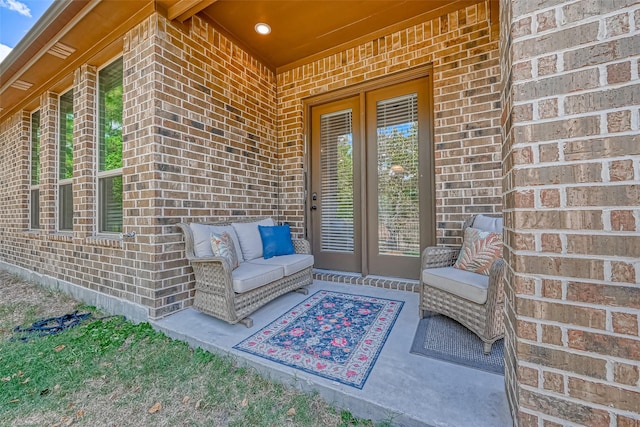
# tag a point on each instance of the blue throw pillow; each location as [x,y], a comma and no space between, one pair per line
[276,240]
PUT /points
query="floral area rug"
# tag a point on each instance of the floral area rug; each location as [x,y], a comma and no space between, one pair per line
[334,335]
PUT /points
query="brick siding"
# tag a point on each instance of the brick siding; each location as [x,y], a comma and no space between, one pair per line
[572,222]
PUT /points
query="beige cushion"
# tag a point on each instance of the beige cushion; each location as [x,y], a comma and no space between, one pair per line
[202,238]
[291,263]
[249,276]
[249,237]
[487,223]
[467,285]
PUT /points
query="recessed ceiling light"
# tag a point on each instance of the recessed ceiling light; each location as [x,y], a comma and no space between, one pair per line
[262,28]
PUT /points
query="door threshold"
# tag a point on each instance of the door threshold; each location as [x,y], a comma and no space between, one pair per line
[395,283]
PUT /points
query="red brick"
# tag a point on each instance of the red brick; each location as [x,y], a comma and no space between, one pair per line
[528,376]
[619,72]
[552,289]
[554,382]
[552,334]
[623,272]
[551,243]
[564,409]
[622,221]
[608,295]
[621,170]
[625,373]
[624,421]
[547,65]
[548,108]
[625,323]
[617,25]
[619,121]
[550,198]
[624,348]
[603,394]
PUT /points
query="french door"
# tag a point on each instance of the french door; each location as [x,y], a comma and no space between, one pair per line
[371,192]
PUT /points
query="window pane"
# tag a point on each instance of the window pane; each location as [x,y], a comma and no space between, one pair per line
[398,205]
[65,212]
[336,160]
[65,137]
[111,204]
[110,122]
[35,209]
[35,148]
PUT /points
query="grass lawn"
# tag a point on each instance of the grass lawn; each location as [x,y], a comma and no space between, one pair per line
[113,373]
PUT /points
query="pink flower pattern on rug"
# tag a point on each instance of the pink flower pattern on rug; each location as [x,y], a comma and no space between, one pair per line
[334,335]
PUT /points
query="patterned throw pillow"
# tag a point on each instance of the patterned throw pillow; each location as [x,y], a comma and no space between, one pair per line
[222,245]
[479,250]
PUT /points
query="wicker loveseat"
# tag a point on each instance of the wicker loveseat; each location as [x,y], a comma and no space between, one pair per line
[233,294]
[474,300]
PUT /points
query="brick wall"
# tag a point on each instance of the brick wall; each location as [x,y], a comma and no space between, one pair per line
[199,143]
[200,122]
[571,208]
[463,48]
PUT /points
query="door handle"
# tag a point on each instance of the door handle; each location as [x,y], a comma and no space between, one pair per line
[314,207]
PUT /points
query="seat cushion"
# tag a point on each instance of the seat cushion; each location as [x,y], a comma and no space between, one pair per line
[202,238]
[465,284]
[291,263]
[249,276]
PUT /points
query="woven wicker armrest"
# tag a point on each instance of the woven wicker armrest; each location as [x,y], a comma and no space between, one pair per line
[439,256]
[496,282]
[212,273]
[301,246]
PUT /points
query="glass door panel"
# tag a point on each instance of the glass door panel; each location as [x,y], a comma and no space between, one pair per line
[334,201]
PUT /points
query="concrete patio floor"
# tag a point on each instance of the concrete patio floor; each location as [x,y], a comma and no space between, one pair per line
[403,388]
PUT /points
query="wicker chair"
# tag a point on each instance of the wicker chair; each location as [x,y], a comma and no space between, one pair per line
[485,319]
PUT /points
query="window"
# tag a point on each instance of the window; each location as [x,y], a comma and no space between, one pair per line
[110,148]
[35,171]
[65,162]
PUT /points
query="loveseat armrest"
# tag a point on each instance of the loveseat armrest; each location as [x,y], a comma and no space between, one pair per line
[439,256]
[212,273]
[301,246]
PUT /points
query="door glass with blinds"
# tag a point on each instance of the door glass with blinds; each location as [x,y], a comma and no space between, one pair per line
[336,158]
[398,222]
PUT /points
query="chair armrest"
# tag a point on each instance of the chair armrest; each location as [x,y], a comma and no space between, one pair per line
[439,256]
[301,246]
[496,281]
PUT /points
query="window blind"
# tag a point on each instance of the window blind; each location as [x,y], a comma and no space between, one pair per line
[336,186]
[398,203]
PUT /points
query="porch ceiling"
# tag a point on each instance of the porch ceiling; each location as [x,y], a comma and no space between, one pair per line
[302,29]
[76,32]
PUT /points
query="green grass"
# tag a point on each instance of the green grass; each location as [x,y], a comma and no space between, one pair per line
[112,372]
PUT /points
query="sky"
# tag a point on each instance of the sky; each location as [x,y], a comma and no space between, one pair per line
[16,19]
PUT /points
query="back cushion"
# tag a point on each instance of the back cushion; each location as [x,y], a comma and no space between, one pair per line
[202,238]
[249,236]
[487,223]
